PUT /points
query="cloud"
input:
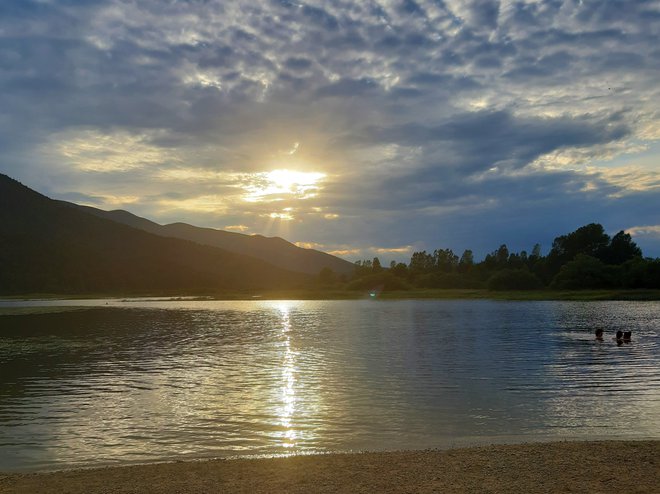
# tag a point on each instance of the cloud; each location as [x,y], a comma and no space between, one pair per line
[652,230]
[298,63]
[347,88]
[240,228]
[320,17]
[477,14]
[408,249]
[507,121]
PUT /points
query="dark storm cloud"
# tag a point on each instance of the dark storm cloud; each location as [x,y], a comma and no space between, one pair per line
[436,188]
[421,110]
[489,137]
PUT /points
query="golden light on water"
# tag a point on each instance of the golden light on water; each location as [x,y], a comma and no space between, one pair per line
[288,388]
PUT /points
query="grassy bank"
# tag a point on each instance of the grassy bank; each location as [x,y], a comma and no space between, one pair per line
[526,294]
[452,294]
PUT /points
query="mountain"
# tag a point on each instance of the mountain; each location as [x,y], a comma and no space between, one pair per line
[274,250]
[49,246]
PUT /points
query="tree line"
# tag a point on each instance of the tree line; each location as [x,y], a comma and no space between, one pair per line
[587,258]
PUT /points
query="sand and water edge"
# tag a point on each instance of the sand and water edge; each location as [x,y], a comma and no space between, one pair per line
[567,466]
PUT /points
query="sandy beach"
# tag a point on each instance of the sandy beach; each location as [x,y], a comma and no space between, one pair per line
[581,467]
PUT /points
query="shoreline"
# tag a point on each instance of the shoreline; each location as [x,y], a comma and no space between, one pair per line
[612,466]
[413,294]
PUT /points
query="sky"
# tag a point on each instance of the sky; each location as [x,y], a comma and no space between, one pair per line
[363,128]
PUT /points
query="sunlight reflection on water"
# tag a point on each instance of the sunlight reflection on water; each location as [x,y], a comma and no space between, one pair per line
[136,380]
[287,409]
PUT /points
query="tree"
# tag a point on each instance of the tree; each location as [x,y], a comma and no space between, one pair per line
[641,273]
[502,255]
[362,268]
[585,272]
[621,249]
[400,270]
[536,252]
[421,262]
[375,265]
[513,279]
[445,260]
[516,261]
[589,240]
[466,262]
[375,282]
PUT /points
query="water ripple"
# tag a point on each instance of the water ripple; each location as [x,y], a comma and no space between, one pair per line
[135,381]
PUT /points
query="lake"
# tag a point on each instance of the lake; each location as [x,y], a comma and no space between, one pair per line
[130,381]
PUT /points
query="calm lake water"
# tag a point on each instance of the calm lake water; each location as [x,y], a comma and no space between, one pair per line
[139,381]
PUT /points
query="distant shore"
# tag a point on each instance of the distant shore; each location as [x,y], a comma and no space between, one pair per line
[317,294]
[602,466]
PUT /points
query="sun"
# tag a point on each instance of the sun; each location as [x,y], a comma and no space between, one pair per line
[289,179]
[280,184]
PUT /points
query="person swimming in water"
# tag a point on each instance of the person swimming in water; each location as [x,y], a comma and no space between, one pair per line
[619,337]
[627,336]
[599,334]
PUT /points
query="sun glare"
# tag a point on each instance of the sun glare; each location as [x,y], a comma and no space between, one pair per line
[287,179]
[286,216]
[281,184]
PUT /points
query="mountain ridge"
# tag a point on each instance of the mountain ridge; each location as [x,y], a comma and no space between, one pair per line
[275,250]
[47,246]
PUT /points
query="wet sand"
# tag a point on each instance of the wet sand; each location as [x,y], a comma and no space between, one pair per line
[579,467]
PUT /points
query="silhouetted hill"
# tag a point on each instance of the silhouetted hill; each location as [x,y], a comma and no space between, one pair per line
[274,250]
[48,246]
